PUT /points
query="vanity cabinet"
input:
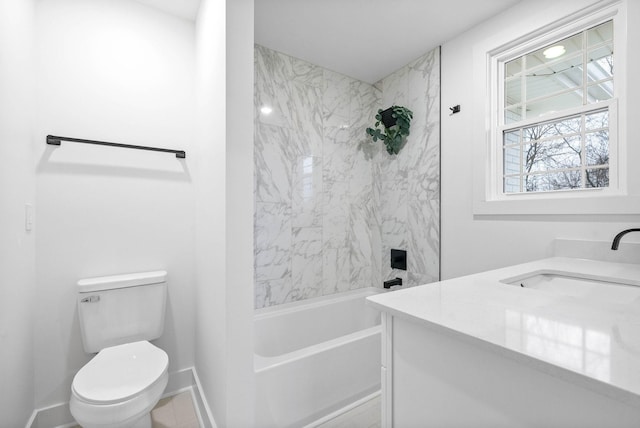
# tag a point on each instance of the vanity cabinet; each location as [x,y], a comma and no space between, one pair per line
[476,352]
[435,378]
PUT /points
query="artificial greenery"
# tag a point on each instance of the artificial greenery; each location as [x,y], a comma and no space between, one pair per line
[395,130]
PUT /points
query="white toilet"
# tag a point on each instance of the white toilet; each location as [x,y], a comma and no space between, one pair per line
[124,381]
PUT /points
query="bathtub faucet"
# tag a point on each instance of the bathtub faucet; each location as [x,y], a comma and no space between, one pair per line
[616,240]
[392,282]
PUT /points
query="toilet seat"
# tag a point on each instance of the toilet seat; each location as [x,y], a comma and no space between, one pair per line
[119,373]
[119,385]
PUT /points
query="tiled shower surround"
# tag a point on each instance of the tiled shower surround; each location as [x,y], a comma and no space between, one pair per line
[329,203]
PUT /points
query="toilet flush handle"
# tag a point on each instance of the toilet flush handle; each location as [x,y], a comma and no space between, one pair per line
[90,299]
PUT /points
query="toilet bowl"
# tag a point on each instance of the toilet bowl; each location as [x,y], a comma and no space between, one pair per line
[119,386]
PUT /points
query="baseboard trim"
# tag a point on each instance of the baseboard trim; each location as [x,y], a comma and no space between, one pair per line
[59,416]
[205,415]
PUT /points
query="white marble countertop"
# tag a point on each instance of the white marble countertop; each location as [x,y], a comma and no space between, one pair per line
[592,342]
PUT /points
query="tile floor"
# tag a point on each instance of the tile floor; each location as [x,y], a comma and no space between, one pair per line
[176,411]
[366,415]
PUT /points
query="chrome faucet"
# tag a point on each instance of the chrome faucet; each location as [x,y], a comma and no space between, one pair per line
[616,240]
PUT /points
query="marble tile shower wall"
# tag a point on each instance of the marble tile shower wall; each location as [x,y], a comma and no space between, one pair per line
[407,185]
[329,205]
[313,183]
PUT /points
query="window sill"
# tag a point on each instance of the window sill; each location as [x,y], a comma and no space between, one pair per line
[595,205]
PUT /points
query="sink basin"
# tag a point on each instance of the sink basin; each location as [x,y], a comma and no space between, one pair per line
[597,289]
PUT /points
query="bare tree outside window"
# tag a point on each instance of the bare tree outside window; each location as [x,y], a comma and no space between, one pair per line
[571,153]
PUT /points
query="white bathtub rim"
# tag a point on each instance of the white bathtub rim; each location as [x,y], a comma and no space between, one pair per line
[299,305]
[262,364]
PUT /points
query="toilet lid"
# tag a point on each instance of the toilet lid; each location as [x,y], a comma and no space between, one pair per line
[120,372]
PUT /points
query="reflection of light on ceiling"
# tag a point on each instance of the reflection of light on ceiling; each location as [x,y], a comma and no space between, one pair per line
[568,345]
[266,110]
[554,51]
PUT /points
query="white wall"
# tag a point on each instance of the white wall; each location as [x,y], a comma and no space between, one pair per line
[112,70]
[17,185]
[239,211]
[210,355]
[224,213]
[473,244]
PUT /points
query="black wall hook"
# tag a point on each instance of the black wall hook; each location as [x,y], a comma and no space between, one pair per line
[455,109]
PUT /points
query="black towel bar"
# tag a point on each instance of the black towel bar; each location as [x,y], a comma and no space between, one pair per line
[56,141]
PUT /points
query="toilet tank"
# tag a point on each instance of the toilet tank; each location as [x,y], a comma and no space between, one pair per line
[122,308]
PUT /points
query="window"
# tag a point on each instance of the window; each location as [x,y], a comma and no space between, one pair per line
[554,136]
[555,113]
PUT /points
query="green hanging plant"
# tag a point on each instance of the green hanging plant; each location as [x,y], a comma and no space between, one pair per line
[396,121]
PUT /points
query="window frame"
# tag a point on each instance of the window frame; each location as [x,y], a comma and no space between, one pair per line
[489,197]
[610,105]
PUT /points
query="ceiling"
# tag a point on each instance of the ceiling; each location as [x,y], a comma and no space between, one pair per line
[364,39]
[186,9]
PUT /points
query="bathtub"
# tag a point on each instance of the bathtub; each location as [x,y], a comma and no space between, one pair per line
[315,357]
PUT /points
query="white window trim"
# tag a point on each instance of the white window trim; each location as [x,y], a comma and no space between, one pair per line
[488,195]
